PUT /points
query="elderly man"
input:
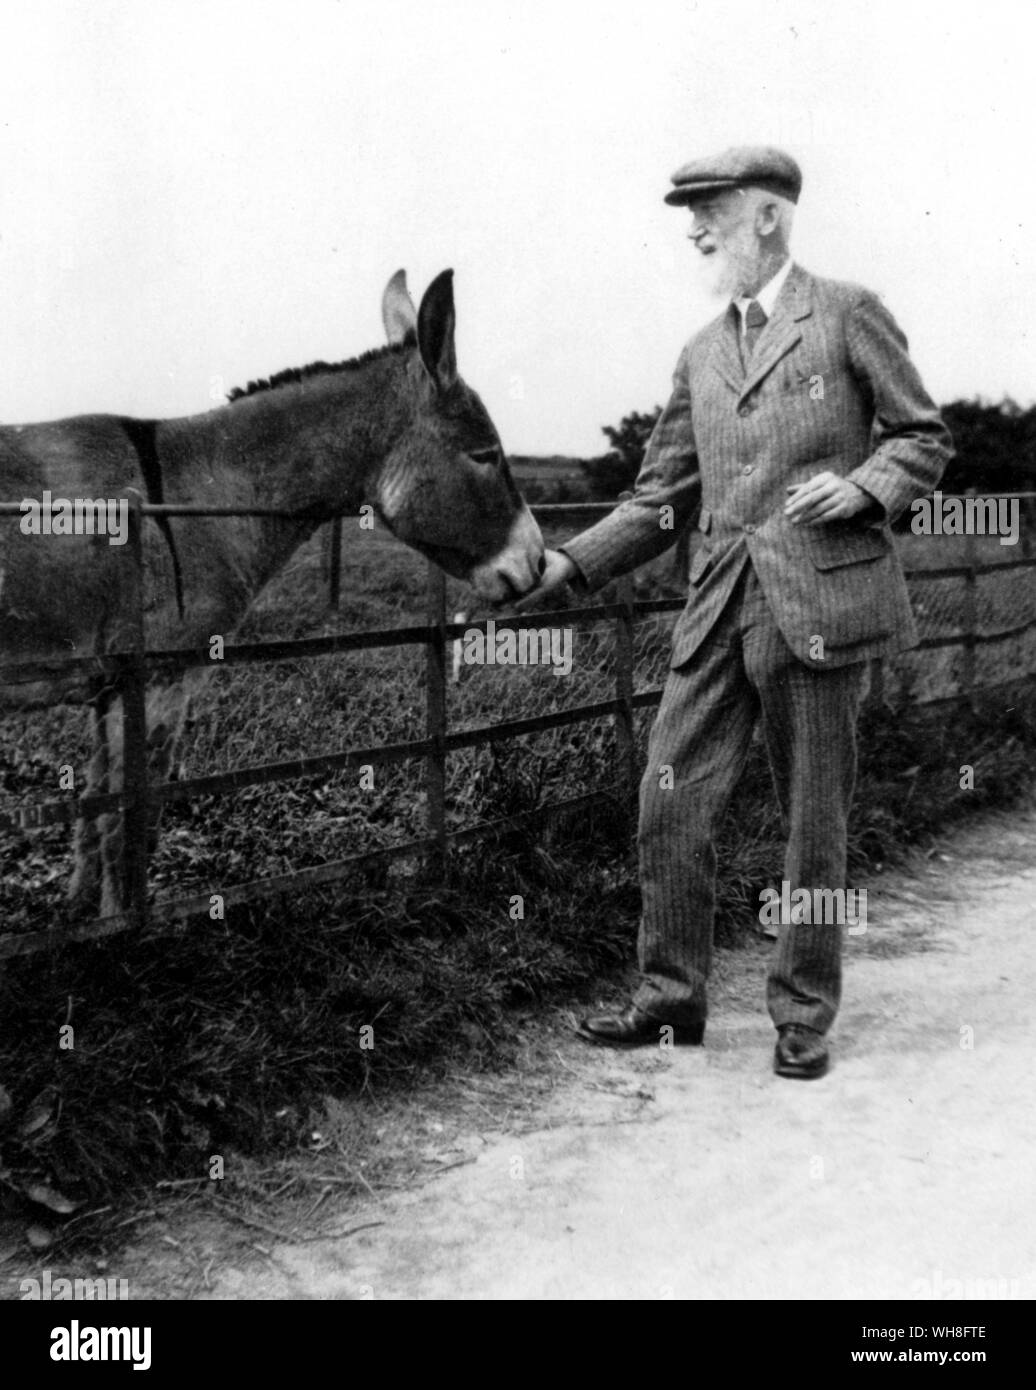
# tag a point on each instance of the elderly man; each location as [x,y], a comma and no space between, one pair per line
[800,426]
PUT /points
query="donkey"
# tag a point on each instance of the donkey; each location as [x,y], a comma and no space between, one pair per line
[396,429]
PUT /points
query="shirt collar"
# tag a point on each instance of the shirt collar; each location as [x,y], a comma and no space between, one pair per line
[767,296]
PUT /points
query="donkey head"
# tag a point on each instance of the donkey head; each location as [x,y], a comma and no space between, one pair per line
[445,487]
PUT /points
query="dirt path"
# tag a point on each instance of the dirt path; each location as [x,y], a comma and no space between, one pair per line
[907,1172]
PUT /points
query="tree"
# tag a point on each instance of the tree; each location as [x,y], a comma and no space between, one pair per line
[995,449]
[616,471]
[630,439]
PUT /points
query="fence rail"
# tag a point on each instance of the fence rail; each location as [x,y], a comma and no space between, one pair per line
[130,670]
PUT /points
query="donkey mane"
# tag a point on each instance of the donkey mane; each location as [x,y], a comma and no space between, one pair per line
[292,375]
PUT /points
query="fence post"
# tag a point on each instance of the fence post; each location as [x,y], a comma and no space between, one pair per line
[969,610]
[435,722]
[625,756]
[135,807]
[335,564]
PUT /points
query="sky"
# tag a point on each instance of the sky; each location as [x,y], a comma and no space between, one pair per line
[197,192]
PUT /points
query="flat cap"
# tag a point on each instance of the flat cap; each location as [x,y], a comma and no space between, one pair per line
[758,166]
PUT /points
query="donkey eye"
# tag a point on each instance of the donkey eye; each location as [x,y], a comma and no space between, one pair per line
[485,455]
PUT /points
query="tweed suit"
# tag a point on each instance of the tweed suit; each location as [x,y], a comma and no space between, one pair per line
[780,619]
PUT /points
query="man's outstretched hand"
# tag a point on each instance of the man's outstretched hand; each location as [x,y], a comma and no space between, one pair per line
[557,570]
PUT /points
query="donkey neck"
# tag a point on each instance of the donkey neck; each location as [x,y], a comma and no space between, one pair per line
[314,447]
[312,444]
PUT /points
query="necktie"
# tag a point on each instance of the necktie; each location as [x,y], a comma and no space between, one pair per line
[755,322]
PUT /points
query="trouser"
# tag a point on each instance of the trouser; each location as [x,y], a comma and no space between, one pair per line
[744,670]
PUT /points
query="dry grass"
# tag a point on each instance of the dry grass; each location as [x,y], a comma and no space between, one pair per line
[242,1037]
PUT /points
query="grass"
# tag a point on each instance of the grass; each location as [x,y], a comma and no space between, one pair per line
[235,1037]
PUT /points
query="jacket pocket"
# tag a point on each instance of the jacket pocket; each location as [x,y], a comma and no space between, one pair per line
[832,546]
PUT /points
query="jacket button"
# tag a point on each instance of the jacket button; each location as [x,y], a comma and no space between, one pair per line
[749,530]
[747,469]
[744,410]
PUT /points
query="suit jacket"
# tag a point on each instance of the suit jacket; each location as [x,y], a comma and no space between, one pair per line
[829,386]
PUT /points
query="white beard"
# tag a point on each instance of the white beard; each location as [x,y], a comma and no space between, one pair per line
[723,274]
[716,275]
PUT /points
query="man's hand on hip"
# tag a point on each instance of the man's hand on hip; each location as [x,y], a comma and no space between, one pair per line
[558,569]
[825,497]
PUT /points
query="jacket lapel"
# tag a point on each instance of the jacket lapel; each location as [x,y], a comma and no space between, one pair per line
[782,333]
[726,355]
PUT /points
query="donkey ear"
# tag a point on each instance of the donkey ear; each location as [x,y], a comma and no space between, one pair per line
[397,309]
[435,324]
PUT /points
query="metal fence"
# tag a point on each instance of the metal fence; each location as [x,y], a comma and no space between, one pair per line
[128,672]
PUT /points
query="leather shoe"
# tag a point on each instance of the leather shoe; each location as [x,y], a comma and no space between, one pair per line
[634,1028]
[801,1052]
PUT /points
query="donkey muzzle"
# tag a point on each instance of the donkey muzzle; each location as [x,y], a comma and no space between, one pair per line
[516,568]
